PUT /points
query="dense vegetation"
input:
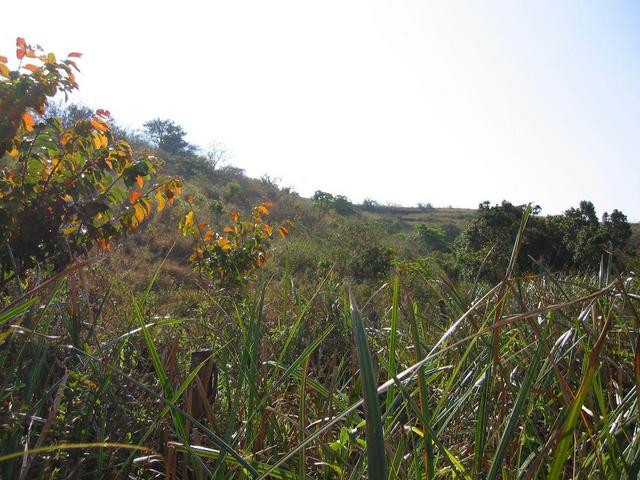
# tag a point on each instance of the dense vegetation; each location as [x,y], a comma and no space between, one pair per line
[163,315]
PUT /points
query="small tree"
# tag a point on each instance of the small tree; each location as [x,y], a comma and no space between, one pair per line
[231,256]
[168,136]
[63,190]
[322,201]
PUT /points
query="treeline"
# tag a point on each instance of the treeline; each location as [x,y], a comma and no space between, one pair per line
[573,241]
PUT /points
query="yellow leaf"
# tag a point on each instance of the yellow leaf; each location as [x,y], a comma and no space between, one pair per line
[4,70]
[262,209]
[224,243]
[3,59]
[230,230]
[189,219]
[95,139]
[139,212]
[161,201]
[283,232]
[28,121]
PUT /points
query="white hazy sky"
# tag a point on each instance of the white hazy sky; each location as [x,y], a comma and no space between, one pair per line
[446,102]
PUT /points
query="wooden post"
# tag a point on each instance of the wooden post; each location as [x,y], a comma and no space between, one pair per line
[204,388]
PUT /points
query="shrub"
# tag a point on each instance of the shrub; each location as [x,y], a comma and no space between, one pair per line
[61,189]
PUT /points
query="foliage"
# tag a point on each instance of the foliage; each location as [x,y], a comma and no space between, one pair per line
[168,136]
[573,241]
[372,263]
[370,204]
[324,201]
[231,256]
[433,237]
[61,189]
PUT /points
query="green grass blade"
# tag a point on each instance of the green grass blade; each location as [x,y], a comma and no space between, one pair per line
[19,309]
[71,446]
[393,340]
[377,465]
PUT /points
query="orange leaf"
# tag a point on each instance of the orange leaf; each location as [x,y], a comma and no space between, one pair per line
[262,209]
[66,137]
[283,232]
[268,204]
[140,181]
[31,67]
[209,235]
[21,49]
[28,121]
[100,125]
[235,216]
[230,230]
[73,64]
[3,59]
[75,55]
[134,195]
[104,244]
[189,198]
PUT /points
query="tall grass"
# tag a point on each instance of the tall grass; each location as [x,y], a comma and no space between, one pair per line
[536,377]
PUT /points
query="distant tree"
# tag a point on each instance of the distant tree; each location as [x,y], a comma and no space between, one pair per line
[573,241]
[69,114]
[342,205]
[216,155]
[617,228]
[425,206]
[322,201]
[168,136]
[269,180]
[370,204]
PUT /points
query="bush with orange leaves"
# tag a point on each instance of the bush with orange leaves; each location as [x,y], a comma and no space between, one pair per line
[230,257]
[62,191]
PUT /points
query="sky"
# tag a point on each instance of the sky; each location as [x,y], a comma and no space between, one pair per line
[442,102]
